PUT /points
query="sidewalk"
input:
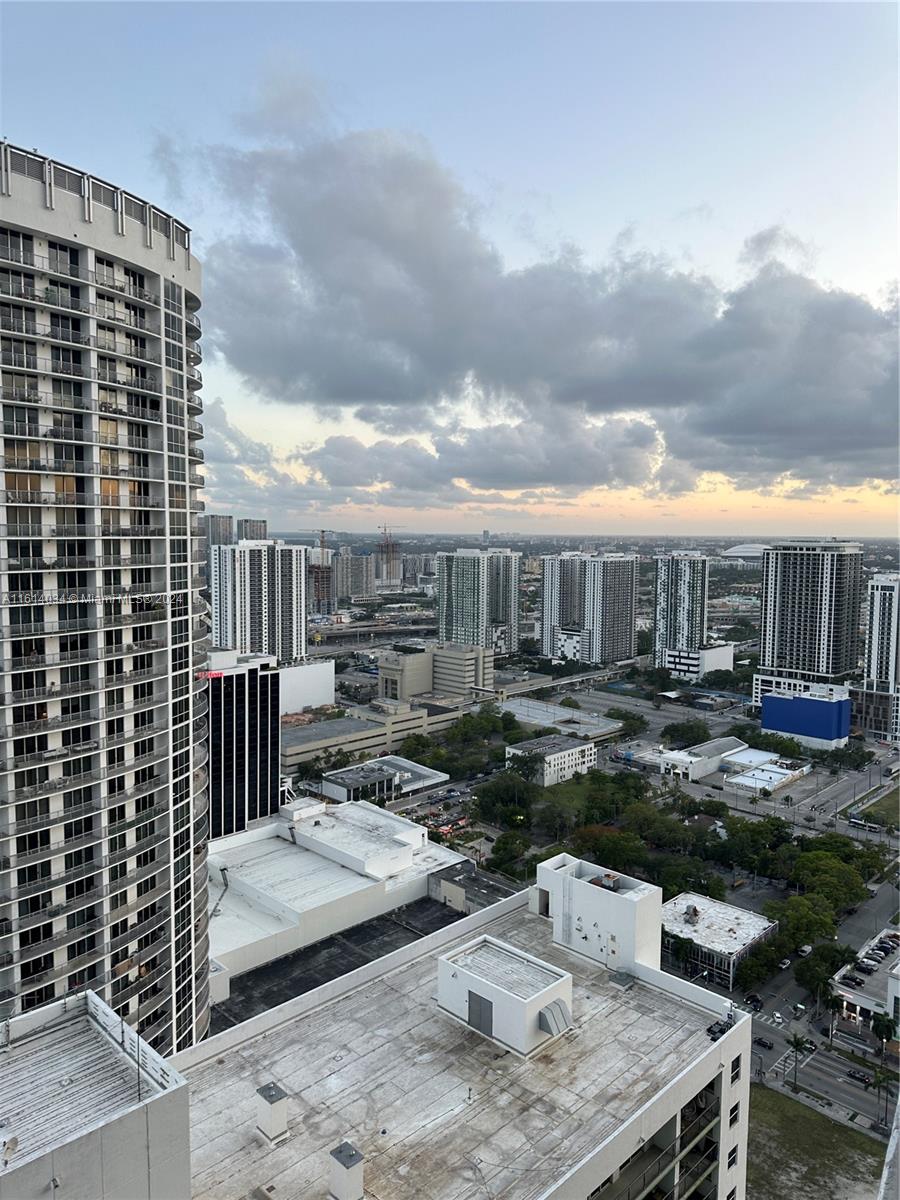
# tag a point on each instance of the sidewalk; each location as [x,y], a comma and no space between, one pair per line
[831,1108]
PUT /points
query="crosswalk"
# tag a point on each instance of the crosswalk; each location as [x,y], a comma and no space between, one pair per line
[786,1062]
[766,1018]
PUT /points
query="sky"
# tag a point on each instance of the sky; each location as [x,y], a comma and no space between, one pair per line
[600,268]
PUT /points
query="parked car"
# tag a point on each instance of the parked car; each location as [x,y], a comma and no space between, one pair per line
[777,1018]
[866,970]
[859,1076]
[784,964]
[853,980]
[764,1042]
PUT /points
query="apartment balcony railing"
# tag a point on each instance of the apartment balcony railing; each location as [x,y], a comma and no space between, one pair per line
[58,266]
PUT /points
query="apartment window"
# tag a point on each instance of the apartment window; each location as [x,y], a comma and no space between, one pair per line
[735,1069]
[734,1115]
[732,1157]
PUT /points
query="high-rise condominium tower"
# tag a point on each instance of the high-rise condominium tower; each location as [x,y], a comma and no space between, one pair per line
[104,802]
[877,702]
[588,607]
[478,598]
[809,629]
[219,529]
[259,598]
[252,529]
[682,582]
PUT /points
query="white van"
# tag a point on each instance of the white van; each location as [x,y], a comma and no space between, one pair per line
[804,951]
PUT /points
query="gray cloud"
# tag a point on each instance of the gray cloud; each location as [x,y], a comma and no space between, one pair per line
[368,285]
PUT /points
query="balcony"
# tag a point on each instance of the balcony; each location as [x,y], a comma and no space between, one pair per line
[192,326]
[647,1168]
[194,377]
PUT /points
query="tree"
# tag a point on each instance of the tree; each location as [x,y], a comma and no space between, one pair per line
[802,919]
[798,1045]
[840,884]
[881,1080]
[644,641]
[685,733]
[569,702]
[885,1029]
[632,723]
[507,848]
[814,971]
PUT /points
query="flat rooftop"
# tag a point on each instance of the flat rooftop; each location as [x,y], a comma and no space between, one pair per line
[715,747]
[369,772]
[67,1075]
[554,743]
[724,928]
[436,1109]
[537,712]
[293,736]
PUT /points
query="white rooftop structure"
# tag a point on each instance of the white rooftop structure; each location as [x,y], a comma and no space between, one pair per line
[83,1100]
[746,550]
[315,870]
[568,720]
[508,1055]
[724,928]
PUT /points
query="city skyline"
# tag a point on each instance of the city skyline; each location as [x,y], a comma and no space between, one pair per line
[718,350]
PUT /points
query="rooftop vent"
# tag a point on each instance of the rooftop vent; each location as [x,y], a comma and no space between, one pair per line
[271,1113]
[692,914]
[346,1179]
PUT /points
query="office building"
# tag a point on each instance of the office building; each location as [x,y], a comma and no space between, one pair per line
[531,1049]
[478,598]
[379,780]
[219,529]
[694,664]
[244,739]
[252,529]
[682,582]
[89,1108]
[354,576]
[710,939]
[259,598]
[104,821]
[557,757]
[809,626]
[876,703]
[415,566]
[588,605]
[408,670]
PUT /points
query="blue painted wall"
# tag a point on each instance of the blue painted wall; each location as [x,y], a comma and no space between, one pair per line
[826,719]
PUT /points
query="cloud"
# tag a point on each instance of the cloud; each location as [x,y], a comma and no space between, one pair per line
[365,284]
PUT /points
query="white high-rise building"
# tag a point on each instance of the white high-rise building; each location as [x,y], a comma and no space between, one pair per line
[478,598]
[259,598]
[103,819]
[809,628]
[877,702]
[588,607]
[682,582]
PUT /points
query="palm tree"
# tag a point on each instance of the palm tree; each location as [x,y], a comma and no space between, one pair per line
[881,1081]
[885,1029]
[798,1045]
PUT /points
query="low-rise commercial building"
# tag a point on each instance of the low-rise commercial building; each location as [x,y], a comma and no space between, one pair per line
[379,780]
[708,938]
[560,757]
[696,762]
[569,720]
[694,664]
[878,992]
[88,1108]
[313,871]
[532,1049]
[819,718]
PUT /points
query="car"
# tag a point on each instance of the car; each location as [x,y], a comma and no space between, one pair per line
[753,1001]
[810,1044]
[866,970]
[777,1018]
[784,964]
[859,1076]
[764,1042]
[853,980]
